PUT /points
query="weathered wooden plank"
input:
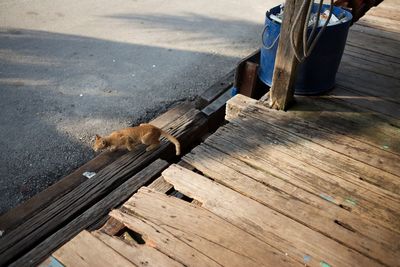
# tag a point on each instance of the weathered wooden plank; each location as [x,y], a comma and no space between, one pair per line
[371,204]
[342,118]
[247,79]
[59,235]
[315,156]
[112,227]
[14,217]
[284,77]
[218,104]
[164,241]
[356,50]
[212,236]
[368,84]
[160,185]
[385,24]
[351,150]
[86,250]
[215,111]
[216,90]
[140,255]
[350,120]
[21,213]
[336,117]
[366,29]
[365,63]
[274,228]
[387,109]
[314,212]
[360,37]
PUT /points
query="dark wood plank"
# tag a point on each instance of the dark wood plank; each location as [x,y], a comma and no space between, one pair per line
[247,80]
[112,227]
[187,129]
[215,111]
[216,90]
[284,77]
[101,208]
[24,211]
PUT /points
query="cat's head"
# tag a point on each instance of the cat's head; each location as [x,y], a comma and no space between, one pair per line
[99,143]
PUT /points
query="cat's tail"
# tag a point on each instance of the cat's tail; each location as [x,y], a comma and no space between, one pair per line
[173,140]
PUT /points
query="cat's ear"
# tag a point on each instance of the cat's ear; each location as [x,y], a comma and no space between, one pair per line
[97,137]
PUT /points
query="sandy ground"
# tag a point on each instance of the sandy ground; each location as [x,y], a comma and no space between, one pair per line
[71,69]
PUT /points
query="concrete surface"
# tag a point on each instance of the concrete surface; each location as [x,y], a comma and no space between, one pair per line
[71,69]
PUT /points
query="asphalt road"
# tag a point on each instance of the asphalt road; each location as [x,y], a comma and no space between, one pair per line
[71,69]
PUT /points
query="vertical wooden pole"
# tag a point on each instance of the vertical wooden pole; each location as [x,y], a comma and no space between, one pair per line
[282,92]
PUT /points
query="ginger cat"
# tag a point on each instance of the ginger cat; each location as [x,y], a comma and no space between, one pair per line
[130,137]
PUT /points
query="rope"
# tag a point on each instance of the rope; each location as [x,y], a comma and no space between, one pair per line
[308,43]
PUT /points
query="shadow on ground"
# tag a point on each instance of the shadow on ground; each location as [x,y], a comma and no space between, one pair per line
[58,90]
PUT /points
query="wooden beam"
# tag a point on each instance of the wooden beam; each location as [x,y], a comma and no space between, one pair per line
[284,77]
[18,215]
[99,209]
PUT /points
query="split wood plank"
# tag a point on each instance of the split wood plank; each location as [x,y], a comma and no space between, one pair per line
[160,185]
[314,212]
[311,152]
[164,241]
[332,188]
[274,228]
[98,210]
[112,227]
[27,209]
[140,255]
[86,250]
[215,238]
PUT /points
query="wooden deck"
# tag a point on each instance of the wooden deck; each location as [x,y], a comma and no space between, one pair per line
[318,185]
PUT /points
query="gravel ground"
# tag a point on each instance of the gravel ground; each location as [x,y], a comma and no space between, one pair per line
[71,69]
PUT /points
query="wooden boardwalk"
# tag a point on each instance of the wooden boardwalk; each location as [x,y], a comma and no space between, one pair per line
[318,185]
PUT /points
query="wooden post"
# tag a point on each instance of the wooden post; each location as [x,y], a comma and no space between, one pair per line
[282,91]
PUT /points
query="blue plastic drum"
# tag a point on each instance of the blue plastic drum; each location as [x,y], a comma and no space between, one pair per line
[316,74]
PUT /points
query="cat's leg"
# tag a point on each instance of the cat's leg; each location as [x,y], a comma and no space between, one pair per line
[129,144]
[151,140]
[113,148]
[153,146]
